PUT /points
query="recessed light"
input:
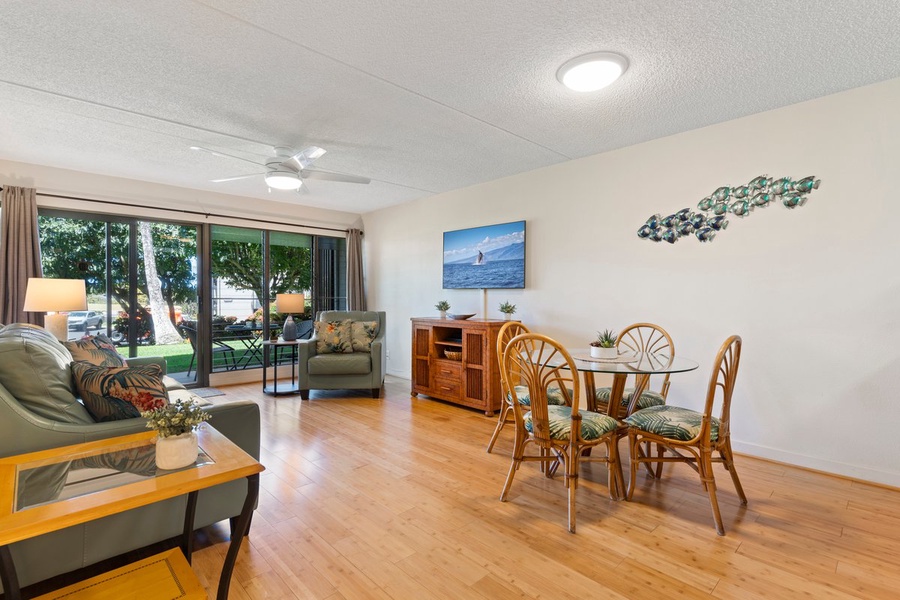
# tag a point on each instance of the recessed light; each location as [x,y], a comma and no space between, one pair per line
[591,72]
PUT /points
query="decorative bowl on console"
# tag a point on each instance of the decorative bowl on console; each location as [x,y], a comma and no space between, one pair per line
[461,317]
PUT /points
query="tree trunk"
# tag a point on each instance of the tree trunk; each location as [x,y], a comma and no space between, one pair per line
[163,328]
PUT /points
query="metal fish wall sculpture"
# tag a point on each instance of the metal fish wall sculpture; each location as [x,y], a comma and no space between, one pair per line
[739,201]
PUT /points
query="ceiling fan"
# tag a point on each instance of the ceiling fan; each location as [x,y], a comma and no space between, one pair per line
[287,169]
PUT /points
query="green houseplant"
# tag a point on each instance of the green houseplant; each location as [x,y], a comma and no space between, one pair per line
[443,306]
[176,445]
[507,309]
[605,345]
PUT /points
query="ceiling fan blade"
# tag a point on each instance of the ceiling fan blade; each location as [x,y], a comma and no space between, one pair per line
[217,153]
[331,176]
[305,157]
[236,178]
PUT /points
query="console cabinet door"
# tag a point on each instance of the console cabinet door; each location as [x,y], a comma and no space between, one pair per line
[421,355]
[475,352]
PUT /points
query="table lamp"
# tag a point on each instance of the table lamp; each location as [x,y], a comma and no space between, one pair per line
[54,297]
[287,304]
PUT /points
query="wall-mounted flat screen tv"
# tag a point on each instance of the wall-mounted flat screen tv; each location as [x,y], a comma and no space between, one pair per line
[488,257]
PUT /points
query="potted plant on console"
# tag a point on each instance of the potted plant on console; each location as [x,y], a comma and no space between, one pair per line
[443,306]
[605,345]
[508,310]
[176,446]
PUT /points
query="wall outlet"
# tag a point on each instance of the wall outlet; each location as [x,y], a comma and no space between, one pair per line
[388,354]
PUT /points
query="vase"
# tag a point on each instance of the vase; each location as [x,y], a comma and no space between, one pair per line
[507,316]
[598,352]
[443,314]
[176,451]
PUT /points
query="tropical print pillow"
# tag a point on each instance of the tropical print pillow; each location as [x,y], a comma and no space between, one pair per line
[114,393]
[97,350]
[333,337]
[362,333]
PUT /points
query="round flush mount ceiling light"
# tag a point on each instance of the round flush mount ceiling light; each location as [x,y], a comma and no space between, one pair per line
[591,72]
[283,180]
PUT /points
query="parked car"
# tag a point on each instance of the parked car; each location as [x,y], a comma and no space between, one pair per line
[82,320]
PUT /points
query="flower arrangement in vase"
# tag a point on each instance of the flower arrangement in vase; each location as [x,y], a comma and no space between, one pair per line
[443,306]
[176,444]
[605,345]
[508,310]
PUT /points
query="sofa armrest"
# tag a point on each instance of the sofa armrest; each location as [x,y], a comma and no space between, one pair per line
[139,361]
[239,422]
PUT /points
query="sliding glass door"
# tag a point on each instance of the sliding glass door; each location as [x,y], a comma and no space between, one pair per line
[141,280]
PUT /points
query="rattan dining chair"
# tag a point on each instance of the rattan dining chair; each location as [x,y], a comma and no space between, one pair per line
[507,332]
[641,338]
[538,365]
[691,437]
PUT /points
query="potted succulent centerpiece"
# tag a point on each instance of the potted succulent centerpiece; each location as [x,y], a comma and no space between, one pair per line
[605,345]
[176,444]
[508,310]
[443,306]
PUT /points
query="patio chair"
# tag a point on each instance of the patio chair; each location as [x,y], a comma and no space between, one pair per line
[220,348]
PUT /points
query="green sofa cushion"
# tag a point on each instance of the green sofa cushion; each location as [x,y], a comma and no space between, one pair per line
[34,367]
[672,422]
[593,425]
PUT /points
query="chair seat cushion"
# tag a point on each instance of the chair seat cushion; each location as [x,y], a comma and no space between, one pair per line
[554,396]
[593,425]
[648,397]
[672,422]
[355,363]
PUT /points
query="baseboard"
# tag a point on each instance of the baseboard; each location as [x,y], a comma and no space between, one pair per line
[855,472]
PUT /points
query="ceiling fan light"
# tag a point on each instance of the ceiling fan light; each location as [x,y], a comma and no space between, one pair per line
[591,72]
[283,180]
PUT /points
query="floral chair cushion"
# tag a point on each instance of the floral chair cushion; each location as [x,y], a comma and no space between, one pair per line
[554,396]
[362,333]
[114,393]
[333,337]
[672,422]
[97,350]
[648,398]
[593,425]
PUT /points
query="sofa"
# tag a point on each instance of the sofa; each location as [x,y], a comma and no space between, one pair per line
[39,410]
[339,369]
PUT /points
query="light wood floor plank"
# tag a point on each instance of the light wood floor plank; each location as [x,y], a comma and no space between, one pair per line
[396,499]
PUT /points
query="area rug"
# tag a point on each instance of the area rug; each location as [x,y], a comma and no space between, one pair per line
[207,392]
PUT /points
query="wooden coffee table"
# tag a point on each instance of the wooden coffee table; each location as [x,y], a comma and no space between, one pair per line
[131,480]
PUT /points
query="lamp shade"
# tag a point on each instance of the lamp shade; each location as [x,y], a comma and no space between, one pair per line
[55,295]
[290,303]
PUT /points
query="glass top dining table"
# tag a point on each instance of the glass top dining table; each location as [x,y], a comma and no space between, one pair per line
[642,365]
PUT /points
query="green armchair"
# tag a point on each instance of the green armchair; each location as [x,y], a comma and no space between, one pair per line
[340,371]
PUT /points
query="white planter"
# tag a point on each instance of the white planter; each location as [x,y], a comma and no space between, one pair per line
[598,352]
[177,451]
[507,316]
[443,314]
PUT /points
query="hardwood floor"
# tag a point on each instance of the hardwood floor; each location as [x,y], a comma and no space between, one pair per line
[396,498]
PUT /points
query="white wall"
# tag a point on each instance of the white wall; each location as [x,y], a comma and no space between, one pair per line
[813,292]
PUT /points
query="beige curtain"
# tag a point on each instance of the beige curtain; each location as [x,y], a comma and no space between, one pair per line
[20,253]
[356,291]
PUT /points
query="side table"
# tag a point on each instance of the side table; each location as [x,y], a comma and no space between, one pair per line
[273,389]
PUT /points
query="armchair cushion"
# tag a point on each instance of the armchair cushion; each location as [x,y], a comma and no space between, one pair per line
[114,393]
[355,363]
[333,337]
[96,350]
[361,335]
[34,367]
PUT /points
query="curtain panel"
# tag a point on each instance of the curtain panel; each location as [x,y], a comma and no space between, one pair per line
[356,291]
[20,253]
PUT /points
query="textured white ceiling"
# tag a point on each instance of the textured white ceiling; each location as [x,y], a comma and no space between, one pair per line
[421,96]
